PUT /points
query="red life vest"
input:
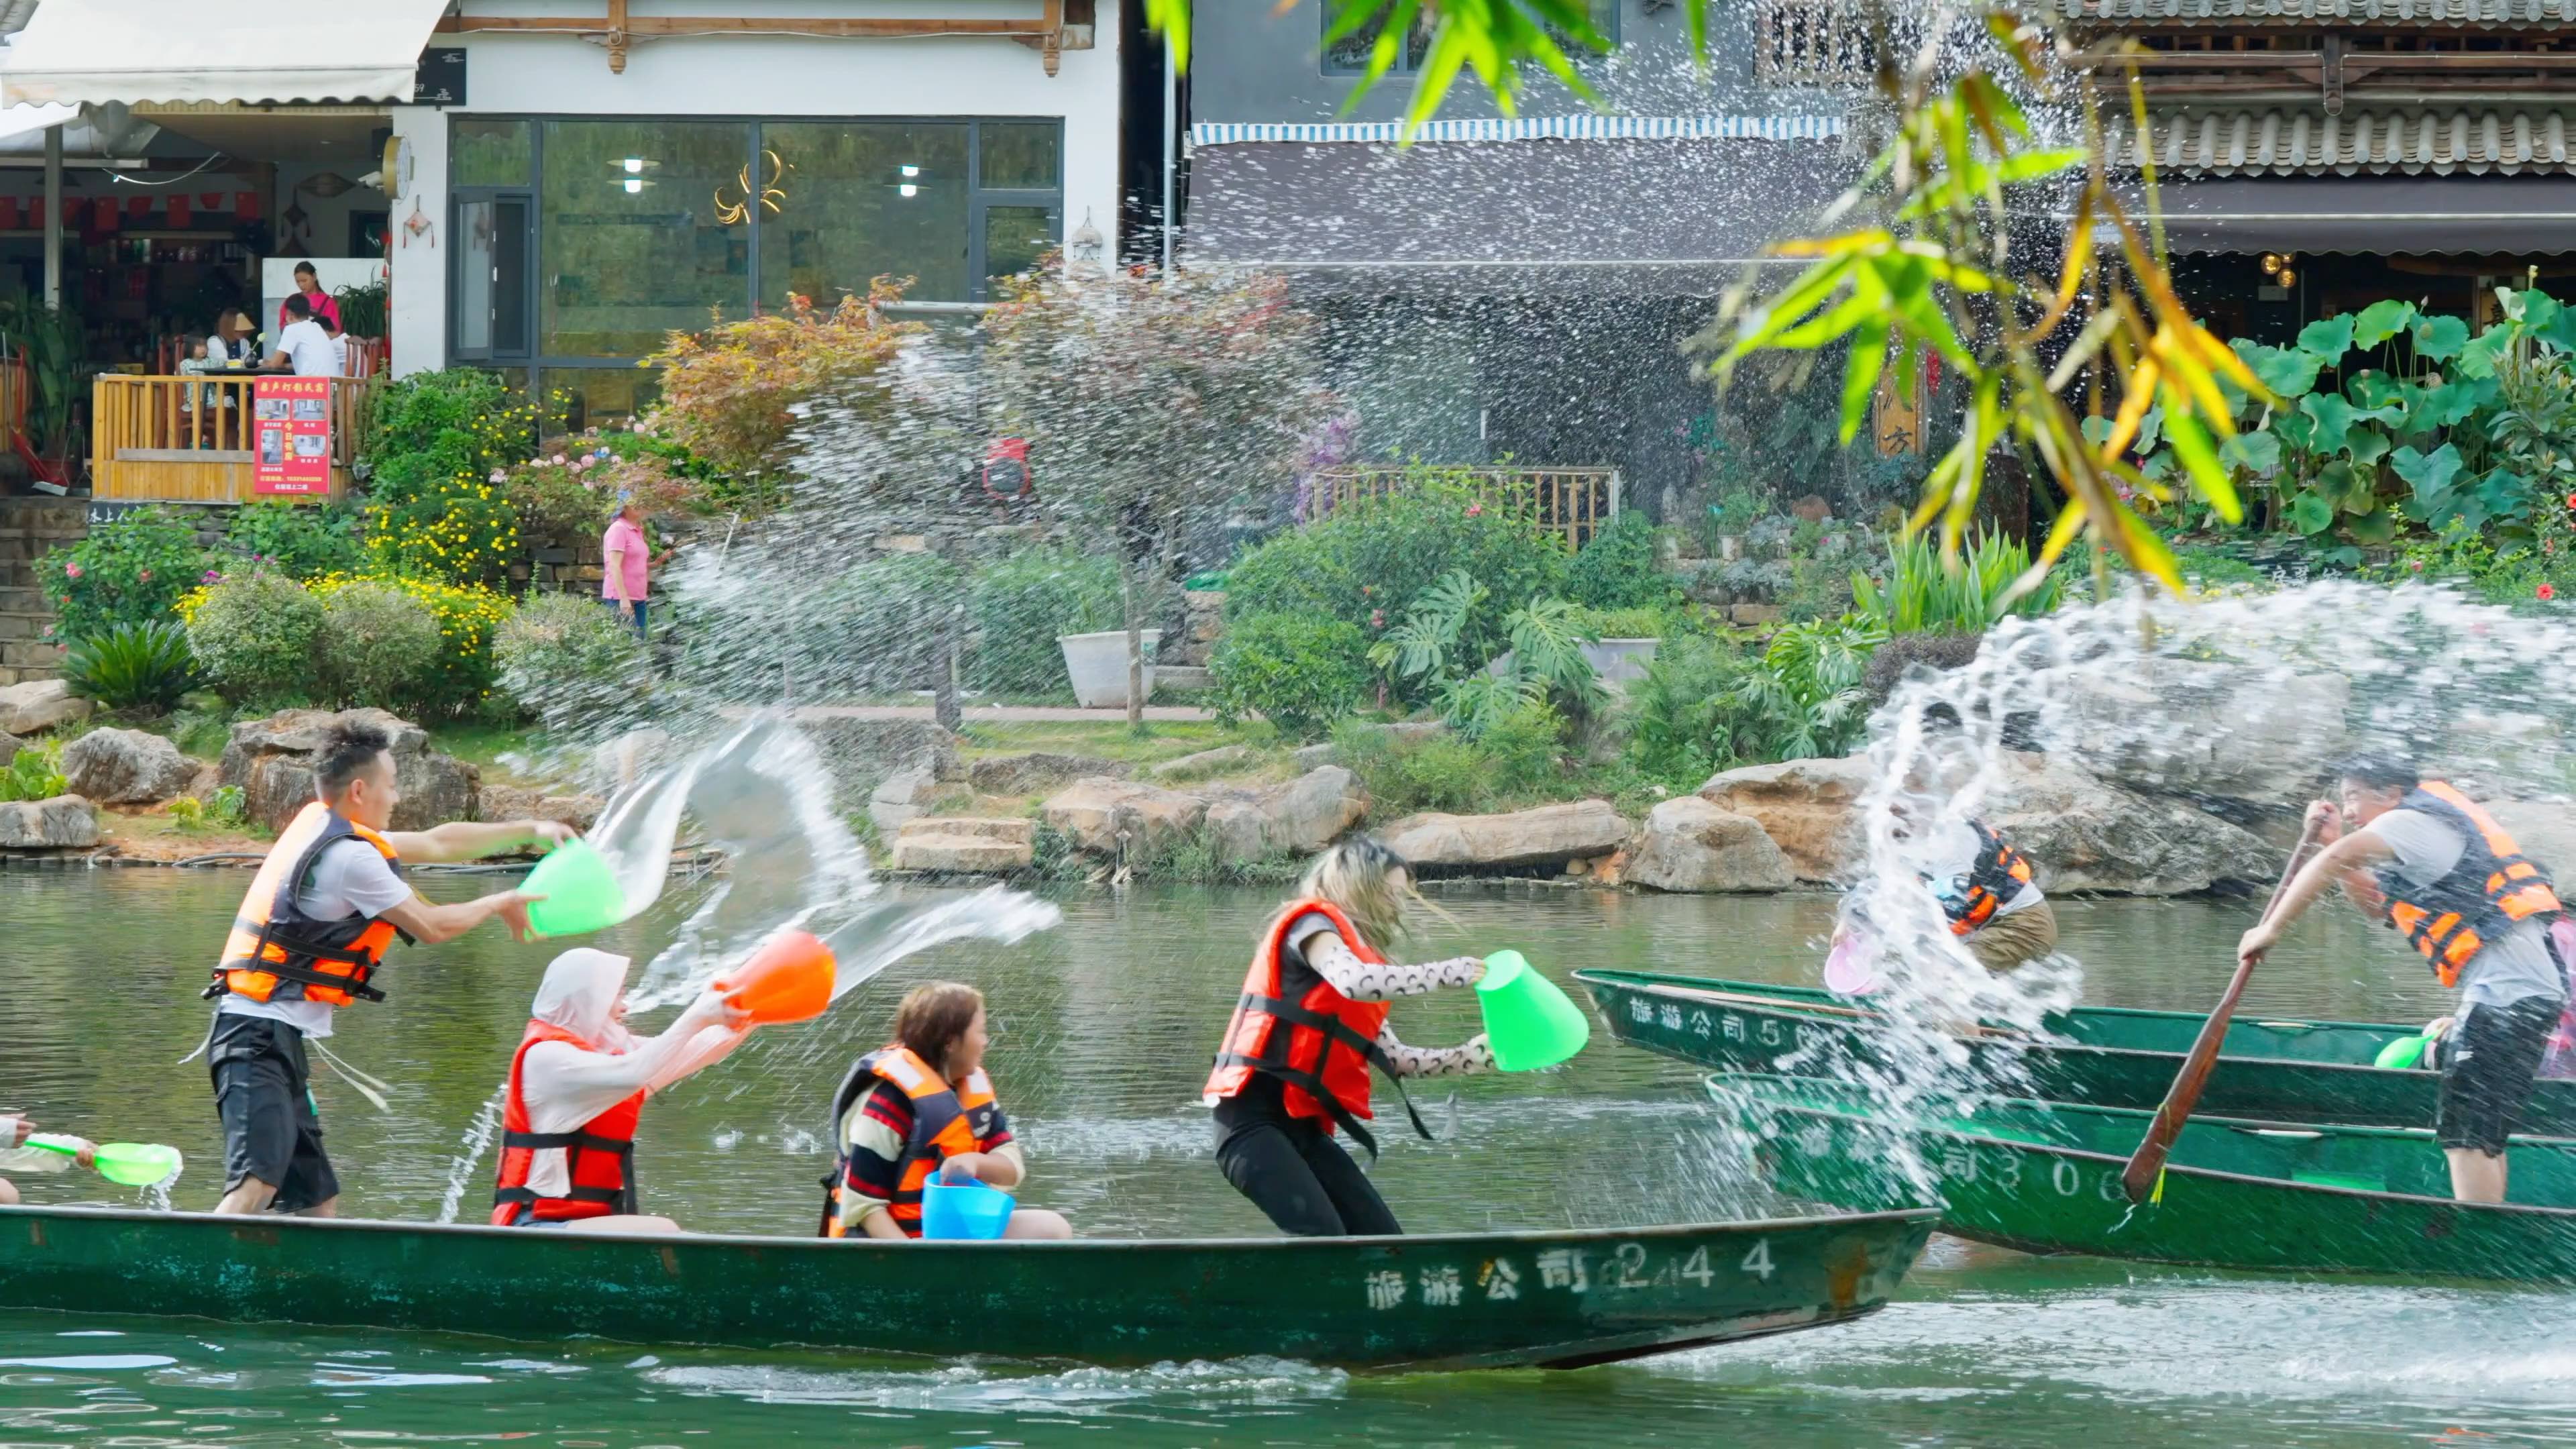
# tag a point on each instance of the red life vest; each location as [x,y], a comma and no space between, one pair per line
[1998,876]
[277,953]
[1322,1058]
[600,1153]
[2494,888]
[946,1121]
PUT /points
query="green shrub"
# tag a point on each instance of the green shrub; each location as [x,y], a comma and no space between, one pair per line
[1525,749]
[1367,561]
[223,810]
[34,773]
[133,666]
[378,646]
[1937,652]
[1616,570]
[254,636]
[1687,719]
[1920,591]
[1023,602]
[459,680]
[565,659]
[880,626]
[436,461]
[1644,621]
[130,570]
[1297,671]
[462,419]
[1403,775]
[299,540]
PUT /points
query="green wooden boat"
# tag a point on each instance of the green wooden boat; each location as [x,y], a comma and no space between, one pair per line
[2269,1068]
[2045,1178]
[1439,1301]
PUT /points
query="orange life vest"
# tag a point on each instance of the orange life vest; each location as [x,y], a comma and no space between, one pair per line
[277,953]
[2494,888]
[946,1121]
[1998,876]
[600,1154]
[1323,1058]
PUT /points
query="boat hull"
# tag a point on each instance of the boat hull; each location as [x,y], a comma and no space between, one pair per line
[1554,1299]
[2281,1071]
[2037,1177]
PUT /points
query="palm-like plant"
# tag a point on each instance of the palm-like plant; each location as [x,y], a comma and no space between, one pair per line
[1809,685]
[1966,592]
[133,666]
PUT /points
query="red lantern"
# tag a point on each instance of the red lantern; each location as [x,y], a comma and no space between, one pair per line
[138,208]
[9,219]
[73,208]
[105,214]
[177,210]
[1006,468]
[245,206]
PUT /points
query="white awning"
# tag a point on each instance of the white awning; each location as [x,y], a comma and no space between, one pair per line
[244,51]
[18,121]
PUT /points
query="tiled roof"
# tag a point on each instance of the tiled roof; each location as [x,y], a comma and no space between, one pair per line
[2412,140]
[1526,128]
[2507,13]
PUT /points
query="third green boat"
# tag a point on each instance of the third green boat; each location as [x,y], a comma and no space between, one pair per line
[2045,1178]
[2275,1069]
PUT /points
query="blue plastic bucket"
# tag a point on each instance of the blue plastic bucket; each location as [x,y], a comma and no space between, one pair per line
[964,1210]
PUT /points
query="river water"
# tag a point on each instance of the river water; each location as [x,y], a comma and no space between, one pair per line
[1103,1028]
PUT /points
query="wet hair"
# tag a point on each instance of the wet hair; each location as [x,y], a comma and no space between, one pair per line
[1940,714]
[2379,772]
[306,269]
[346,750]
[1358,875]
[933,1016]
[296,306]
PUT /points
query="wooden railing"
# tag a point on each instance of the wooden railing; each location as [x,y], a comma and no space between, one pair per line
[189,439]
[1572,501]
[1810,43]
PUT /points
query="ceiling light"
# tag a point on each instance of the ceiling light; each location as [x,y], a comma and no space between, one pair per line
[634,185]
[908,189]
[634,165]
[909,170]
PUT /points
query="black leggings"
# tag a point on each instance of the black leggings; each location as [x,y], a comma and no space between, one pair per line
[1293,1170]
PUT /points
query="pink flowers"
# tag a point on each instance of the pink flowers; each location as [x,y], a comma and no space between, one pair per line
[211,576]
[2416,564]
[2546,593]
[1377,618]
[1475,510]
[143,576]
[2571,500]
[71,571]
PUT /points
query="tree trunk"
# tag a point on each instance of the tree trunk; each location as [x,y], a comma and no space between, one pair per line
[944,705]
[1135,643]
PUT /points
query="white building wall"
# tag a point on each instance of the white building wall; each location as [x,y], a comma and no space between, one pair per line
[752,76]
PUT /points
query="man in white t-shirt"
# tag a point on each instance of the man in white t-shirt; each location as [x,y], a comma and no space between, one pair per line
[303,345]
[2426,860]
[313,923]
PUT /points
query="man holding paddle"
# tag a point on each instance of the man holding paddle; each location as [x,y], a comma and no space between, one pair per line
[2427,861]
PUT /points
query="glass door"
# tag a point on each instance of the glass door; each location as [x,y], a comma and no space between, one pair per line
[490,297]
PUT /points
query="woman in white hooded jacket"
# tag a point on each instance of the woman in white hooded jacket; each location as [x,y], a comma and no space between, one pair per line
[578,1083]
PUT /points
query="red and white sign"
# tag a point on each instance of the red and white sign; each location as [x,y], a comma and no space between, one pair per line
[291,433]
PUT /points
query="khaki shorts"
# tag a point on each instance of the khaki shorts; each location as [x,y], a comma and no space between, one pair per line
[2007,941]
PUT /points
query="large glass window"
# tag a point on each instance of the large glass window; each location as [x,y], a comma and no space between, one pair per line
[643,228]
[486,152]
[855,201]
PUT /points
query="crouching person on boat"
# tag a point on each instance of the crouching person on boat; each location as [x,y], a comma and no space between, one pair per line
[922,1106]
[308,939]
[1984,886]
[577,1089]
[2425,860]
[15,1154]
[1310,1023]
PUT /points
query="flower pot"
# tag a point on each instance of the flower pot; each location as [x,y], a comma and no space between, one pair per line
[1097,664]
[1620,662]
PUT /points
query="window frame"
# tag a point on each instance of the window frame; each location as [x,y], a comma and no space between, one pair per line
[538,359]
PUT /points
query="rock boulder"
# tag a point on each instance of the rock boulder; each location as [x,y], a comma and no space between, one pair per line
[518,802]
[126,767]
[1207,762]
[1298,818]
[2214,731]
[907,796]
[1549,834]
[1689,844]
[65,822]
[863,753]
[2083,833]
[1027,774]
[1097,815]
[39,704]
[966,845]
[1805,806]
[271,760]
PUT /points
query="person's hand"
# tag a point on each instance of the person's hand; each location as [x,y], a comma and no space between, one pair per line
[2436,1029]
[18,1138]
[626,610]
[713,1008]
[549,833]
[664,556]
[2325,822]
[512,907]
[2251,946]
[964,1167]
[88,1154]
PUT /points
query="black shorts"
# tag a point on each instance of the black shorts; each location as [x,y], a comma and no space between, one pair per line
[263,1095]
[2488,1071]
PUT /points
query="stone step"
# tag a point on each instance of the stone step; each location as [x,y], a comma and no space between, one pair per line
[1182,679]
[24,598]
[24,624]
[962,854]
[32,654]
[1020,831]
[23,674]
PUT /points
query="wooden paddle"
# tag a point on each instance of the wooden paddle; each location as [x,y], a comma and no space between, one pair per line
[2147,1164]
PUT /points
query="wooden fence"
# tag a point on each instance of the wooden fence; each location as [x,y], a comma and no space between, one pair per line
[1574,501]
[189,439]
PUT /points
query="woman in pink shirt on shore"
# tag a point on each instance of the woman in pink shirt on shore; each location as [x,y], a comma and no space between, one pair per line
[625,558]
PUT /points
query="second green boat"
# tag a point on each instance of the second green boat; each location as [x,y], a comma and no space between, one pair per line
[2268,1068]
[2045,1178]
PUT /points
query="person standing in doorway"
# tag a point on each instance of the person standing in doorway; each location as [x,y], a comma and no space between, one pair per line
[2425,860]
[317,303]
[626,559]
[307,940]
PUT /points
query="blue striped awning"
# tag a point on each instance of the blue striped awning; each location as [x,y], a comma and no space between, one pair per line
[1527,128]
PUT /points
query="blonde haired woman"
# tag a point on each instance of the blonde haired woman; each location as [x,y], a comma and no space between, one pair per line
[1295,1061]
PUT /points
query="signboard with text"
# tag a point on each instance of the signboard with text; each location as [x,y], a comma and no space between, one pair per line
[291,433]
